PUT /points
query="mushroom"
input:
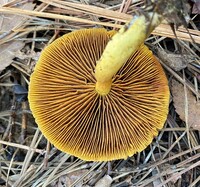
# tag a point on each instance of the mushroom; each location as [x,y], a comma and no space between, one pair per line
[92,119]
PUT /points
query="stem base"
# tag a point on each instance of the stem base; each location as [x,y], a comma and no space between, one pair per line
[103,88]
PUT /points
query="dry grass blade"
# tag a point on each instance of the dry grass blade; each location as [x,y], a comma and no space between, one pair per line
[177,175]
[89,9]
[186,109]
[29,155]
[162,30]
[95,165]
[51,176]
[195,182]
[22,146]
[53,16]
[182,34]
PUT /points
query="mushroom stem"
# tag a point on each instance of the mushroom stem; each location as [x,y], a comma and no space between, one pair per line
[121,46]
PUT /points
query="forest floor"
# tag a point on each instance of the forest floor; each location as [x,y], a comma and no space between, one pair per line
[28,159]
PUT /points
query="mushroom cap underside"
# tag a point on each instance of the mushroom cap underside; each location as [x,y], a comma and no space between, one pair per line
[76,119]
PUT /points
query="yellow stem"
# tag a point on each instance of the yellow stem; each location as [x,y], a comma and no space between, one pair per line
[121,46]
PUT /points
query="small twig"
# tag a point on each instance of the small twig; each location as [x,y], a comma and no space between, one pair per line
[196,88]
[171,147]
[177,175]
[40,151]
[95,165]
[186,110]
[195,182]
[47,155]
[24,122]
[11,122]
[10,165]
[20,69]
[56,32]
[62,161]
[32,49]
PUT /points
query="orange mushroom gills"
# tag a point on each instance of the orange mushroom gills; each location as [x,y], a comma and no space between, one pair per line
[79,121]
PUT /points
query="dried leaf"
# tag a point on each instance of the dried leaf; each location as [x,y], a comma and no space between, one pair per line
[7,53]
[176,61]
[196,7]
[7,23]
[33,55]
[150,185]
[69,179]
[104,182]
[193,107]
